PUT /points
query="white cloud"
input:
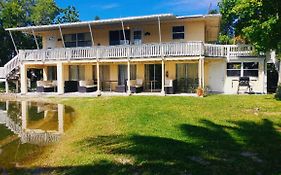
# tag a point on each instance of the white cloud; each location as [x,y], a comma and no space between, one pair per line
[106,6]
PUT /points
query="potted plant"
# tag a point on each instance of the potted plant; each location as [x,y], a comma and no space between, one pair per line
[200,92]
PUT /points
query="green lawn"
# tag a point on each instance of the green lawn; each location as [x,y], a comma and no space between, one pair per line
[169,135]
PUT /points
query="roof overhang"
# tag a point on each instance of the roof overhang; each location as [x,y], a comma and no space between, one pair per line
[162,17]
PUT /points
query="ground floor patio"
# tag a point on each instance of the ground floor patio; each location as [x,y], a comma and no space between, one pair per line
[155,76]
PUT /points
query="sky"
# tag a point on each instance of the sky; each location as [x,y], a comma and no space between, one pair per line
[105,9]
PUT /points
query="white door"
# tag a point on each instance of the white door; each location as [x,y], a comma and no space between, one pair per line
[216,76]
[51,42]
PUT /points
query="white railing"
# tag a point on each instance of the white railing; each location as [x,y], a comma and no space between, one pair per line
[2,72]
[181,49]
[214,50]
[110,52]
[58,54]
[11,65]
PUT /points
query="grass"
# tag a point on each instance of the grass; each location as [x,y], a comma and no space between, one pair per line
[168,135]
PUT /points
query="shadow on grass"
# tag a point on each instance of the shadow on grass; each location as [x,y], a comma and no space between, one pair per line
[240,148]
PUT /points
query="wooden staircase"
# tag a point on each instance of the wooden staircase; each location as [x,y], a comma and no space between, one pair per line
[10,72]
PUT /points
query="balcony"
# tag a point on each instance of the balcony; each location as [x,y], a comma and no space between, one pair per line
[143,51]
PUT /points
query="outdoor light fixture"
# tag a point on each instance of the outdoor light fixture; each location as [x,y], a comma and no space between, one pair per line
[147,34]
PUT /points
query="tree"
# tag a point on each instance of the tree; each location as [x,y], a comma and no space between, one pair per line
[213,11]
[97,18]
[20,13]
[44,12]
[69,14]
[257,21]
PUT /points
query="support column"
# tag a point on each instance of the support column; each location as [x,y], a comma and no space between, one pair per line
[45,73]
[200,72]
[7,106]
[60,118]
[7,86]
[16,49]
[129,78]
[163,78]
[24,116]
[60,78]
[61,35]
[203,72]
[265,76]
[35,39]
[17,86]
[98,79]
[23,78]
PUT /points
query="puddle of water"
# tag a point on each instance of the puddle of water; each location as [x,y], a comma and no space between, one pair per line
[26,128]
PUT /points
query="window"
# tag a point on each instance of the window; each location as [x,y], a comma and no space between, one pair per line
[77,40]
[117,37]
[251,69]
[234,69]
[244,69]
[178,32]
[137,34]
[76,72]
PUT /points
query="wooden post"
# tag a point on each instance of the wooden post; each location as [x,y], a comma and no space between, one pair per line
[199,72]
[163,78]
[60,118]
[61,35]
[13,42]
[60,78]
[92,36]
[98,74]
[24,113]
[7,86]
[123,29]
[129,78]
[23,79]
[203,72]
[159,29]
[35,39]
[17,86]
[45,73]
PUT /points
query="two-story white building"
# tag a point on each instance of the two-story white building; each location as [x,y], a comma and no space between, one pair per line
[157,53]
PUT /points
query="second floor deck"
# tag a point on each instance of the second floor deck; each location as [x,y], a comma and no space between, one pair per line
[142,51]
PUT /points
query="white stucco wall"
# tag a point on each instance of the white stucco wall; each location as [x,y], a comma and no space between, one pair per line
[219,82]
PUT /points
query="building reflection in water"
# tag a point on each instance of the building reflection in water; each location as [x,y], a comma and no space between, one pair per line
[35,122]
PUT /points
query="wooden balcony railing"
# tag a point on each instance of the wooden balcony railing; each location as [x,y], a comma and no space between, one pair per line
[182,49]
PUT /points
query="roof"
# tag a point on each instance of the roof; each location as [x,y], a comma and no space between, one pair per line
[108,21]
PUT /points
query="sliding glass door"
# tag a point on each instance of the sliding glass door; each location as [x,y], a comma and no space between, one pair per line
[76,72]
[104,77]
[52,73]
[123,73]
[187,77]
[153,77]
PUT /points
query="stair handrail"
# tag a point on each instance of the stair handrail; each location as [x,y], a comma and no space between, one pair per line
[11,65]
